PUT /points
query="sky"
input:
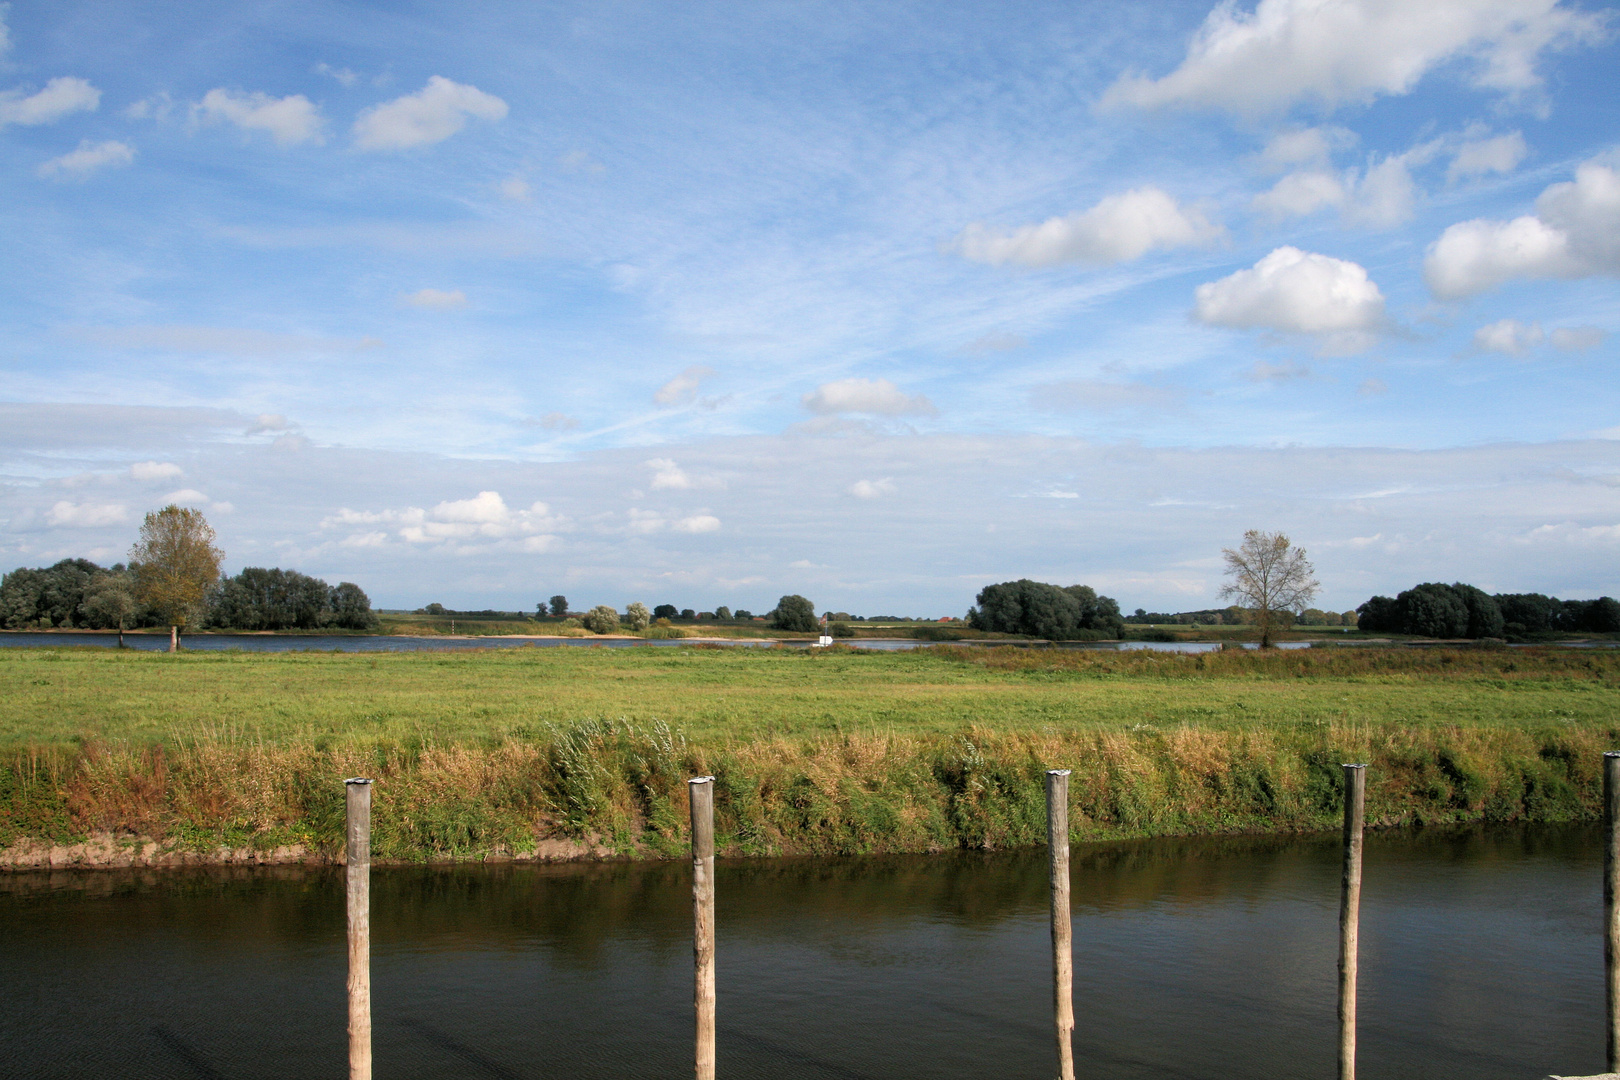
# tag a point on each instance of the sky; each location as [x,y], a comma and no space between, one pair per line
[873,303]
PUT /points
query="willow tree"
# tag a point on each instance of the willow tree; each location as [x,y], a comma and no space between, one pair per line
[175,563]
[1270,576]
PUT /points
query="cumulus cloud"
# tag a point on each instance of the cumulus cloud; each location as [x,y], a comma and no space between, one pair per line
[1380,197]
[667,474]
[875,396]
[482,519]
[697,523]
[1297,292]
[289,120]
[683,388]
[1508,336]
[1338,52]
[67,515]
[1305,146]
[1117,229]
[267,423]
[1480,156]
[437,299]
[156,107]
[154,470]
[89,157]
[1575,232]
[5,31]
[431,115]
[343,75]
[1301,193]
[61,97]
[872,489]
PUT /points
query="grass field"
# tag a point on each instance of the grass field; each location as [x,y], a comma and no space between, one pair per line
[488,751]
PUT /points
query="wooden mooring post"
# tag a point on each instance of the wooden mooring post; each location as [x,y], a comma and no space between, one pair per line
[1355,798]
[358,892]
[1611,904]
[701,790]
[1057,839]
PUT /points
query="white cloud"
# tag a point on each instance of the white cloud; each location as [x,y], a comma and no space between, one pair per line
[1574,233]
[646,521]
[1380,198]
[267,423]
[431,115]
[80,163]
[156,107]
[683,388]
[437,299]
[1305,146]
[697,523]
[876,396]
[185,496]
[1508,336]
[365,540]
[1117,229]
[1302,193]
[1577,338]
[581,161]
[480,520]
[1339,52]
[1298,292]
[1287,371]
[290,120]
[556,421]
[1499,155]
[667,474]
[515,188]
[61,97]
[5,31]
[154,470]
[86,515]
[872,489]
[1384,196]
[1372,388]
[343,75]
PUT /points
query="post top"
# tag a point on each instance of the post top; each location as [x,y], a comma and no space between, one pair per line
[1354,765]
[1057,772]
[701,780]
[358,780]
[1611,753]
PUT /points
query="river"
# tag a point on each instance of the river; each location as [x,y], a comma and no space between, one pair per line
[1481,959]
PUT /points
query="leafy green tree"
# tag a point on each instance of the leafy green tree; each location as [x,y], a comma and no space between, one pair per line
[1484,614]
[540,610]
[794,612]
[722,612]
[351,608]
[688,615]
[1433,610]
[1270,576]
[175,564]
[1603,616]
[743,613]
[601,619]
[110,600]
[1380,615]
[559,606]
[637,617]
[666,611]
[1045,611]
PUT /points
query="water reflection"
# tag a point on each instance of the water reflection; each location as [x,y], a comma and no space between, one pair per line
[1210,958]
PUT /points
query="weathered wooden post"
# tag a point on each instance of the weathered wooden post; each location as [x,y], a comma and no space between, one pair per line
[1611,896]
[1355,796]
[1057,839]
[701,790]
[358,790]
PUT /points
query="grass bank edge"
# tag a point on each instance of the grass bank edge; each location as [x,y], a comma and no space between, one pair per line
[616,789]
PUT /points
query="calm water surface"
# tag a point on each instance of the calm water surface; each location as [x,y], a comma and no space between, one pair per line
[1481,959]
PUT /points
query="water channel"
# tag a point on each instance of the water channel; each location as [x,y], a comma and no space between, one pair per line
[1481,959]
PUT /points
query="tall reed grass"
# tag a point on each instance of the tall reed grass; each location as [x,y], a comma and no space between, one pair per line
[620,787]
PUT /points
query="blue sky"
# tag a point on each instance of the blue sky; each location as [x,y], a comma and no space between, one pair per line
[874,303]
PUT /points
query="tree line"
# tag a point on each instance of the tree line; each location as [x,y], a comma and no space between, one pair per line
[1433,609]
[78,594]
[1053,612]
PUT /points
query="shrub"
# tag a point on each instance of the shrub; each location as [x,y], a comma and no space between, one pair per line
[841,629]
[601,619]
[794,612]
[637,617]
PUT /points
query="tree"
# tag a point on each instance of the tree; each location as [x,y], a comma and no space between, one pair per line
[175,563]
[540,610]
[666,611]
[722,612]
[637,617]
[351,608]
[1045,611]
[559,606]
[743,613]
[1270,576]
[110,600]
[601,619]
[1484,614]
[688,615]
[794,612]
[1433,610]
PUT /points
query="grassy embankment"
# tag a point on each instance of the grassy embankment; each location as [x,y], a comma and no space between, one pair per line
[488,752]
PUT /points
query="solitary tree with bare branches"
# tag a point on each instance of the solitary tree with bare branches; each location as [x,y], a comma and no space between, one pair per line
[175,563]
[1270,576]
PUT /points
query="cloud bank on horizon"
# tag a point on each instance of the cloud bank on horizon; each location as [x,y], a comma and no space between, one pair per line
[714,306]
